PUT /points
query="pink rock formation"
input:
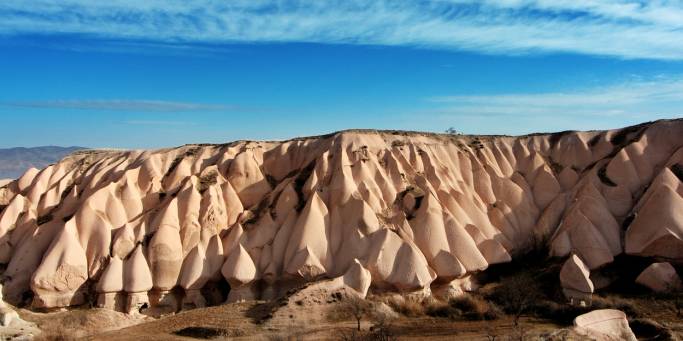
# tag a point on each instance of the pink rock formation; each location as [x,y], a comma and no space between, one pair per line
[575,280]
[240,271]
[604,325]
[392,211]
[660,277]
[110,286]
[454,288]
[137,280]
[357,278]
[57,281]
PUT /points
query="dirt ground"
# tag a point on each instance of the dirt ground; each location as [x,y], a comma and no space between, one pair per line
[239,322]
[78,323]
[291,320]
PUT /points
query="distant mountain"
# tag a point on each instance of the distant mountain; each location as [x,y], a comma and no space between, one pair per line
[15,161]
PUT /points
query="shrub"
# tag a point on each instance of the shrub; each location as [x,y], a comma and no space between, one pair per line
[618,303]
[467,306]
[650,329]
[493,313]
[356,308]
[55,335]
[207,180]
[559,312]
[441,309]
[378,334]
[475,308]
[406,306]
[517,294]
[201,332]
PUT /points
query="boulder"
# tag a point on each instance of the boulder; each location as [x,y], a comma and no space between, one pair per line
[8,317]
[660,277]
[454,288]
[11,322]
[604,325]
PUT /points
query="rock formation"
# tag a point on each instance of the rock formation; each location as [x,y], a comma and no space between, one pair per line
[371,210]
[575,280]
[12,327]
[604,325]
[660,277]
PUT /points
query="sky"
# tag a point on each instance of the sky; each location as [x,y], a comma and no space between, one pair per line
[151,74]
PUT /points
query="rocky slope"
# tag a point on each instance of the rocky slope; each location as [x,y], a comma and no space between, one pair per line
[392,211]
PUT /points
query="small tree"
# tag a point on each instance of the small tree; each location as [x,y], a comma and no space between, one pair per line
[518,333]
[381,328]
[491,332]
[356,308]
[517,294]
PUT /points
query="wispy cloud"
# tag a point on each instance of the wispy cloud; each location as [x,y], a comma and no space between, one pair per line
[159,123]
[661,97]
[621,28]
[121,105]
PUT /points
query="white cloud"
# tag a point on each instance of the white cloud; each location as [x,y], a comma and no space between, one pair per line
[622,28]
[631,99]
[159,123]
[121,105]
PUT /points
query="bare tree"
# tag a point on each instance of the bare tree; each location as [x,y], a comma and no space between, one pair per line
[518,333]
[491,332]
[518,294]
[381,329]
[357,308]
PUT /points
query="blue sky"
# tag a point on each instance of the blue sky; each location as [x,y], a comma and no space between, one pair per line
[134,74]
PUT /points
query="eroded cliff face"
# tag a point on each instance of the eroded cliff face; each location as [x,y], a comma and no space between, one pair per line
[393,210]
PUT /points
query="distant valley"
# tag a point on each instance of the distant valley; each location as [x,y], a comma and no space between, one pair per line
[15,161]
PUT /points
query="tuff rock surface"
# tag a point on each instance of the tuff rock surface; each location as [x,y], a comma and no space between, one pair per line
[378,211]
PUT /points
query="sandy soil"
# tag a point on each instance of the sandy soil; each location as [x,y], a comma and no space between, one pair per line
[279,321]
[239,321]
[79,323]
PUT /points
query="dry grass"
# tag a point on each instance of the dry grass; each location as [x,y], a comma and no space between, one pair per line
[65,328]
[207,180]
[352,308]
[467,307]
[619,303]
[475,308]
[405,306]
[56,335]
[441,309]
[377,334]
